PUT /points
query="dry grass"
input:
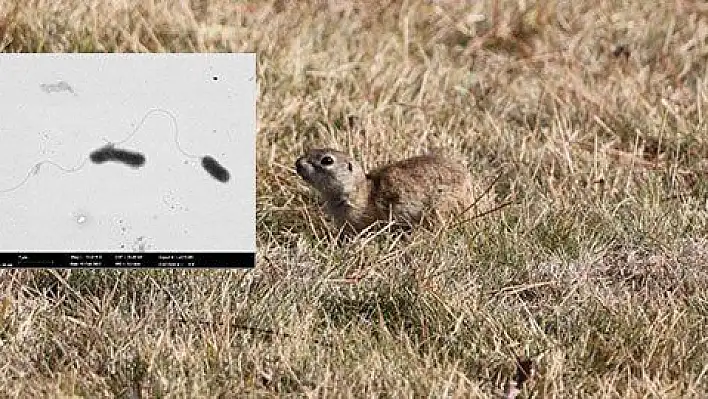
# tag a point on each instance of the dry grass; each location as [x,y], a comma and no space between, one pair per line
[595,111]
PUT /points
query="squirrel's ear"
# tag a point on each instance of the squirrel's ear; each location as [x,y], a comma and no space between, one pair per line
[350,166]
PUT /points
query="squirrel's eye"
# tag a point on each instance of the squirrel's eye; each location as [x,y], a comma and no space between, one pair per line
[327,160]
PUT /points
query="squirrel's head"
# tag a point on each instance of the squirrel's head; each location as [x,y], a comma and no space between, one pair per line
[333,173]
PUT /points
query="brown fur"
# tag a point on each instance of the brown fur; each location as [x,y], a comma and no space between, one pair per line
[424,189]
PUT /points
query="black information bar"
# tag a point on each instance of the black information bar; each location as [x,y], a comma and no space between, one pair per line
[129,260]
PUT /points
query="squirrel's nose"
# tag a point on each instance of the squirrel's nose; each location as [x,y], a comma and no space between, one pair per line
[300,166]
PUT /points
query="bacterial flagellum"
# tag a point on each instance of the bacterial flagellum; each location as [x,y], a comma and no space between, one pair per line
[114,152]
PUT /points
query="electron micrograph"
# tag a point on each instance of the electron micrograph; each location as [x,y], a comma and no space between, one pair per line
[114,160]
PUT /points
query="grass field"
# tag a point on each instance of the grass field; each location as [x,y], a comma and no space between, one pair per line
[592,112]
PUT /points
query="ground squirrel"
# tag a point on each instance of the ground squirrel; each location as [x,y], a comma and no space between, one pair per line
[423,189]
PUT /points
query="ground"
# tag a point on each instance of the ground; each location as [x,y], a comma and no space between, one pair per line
[593,114]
